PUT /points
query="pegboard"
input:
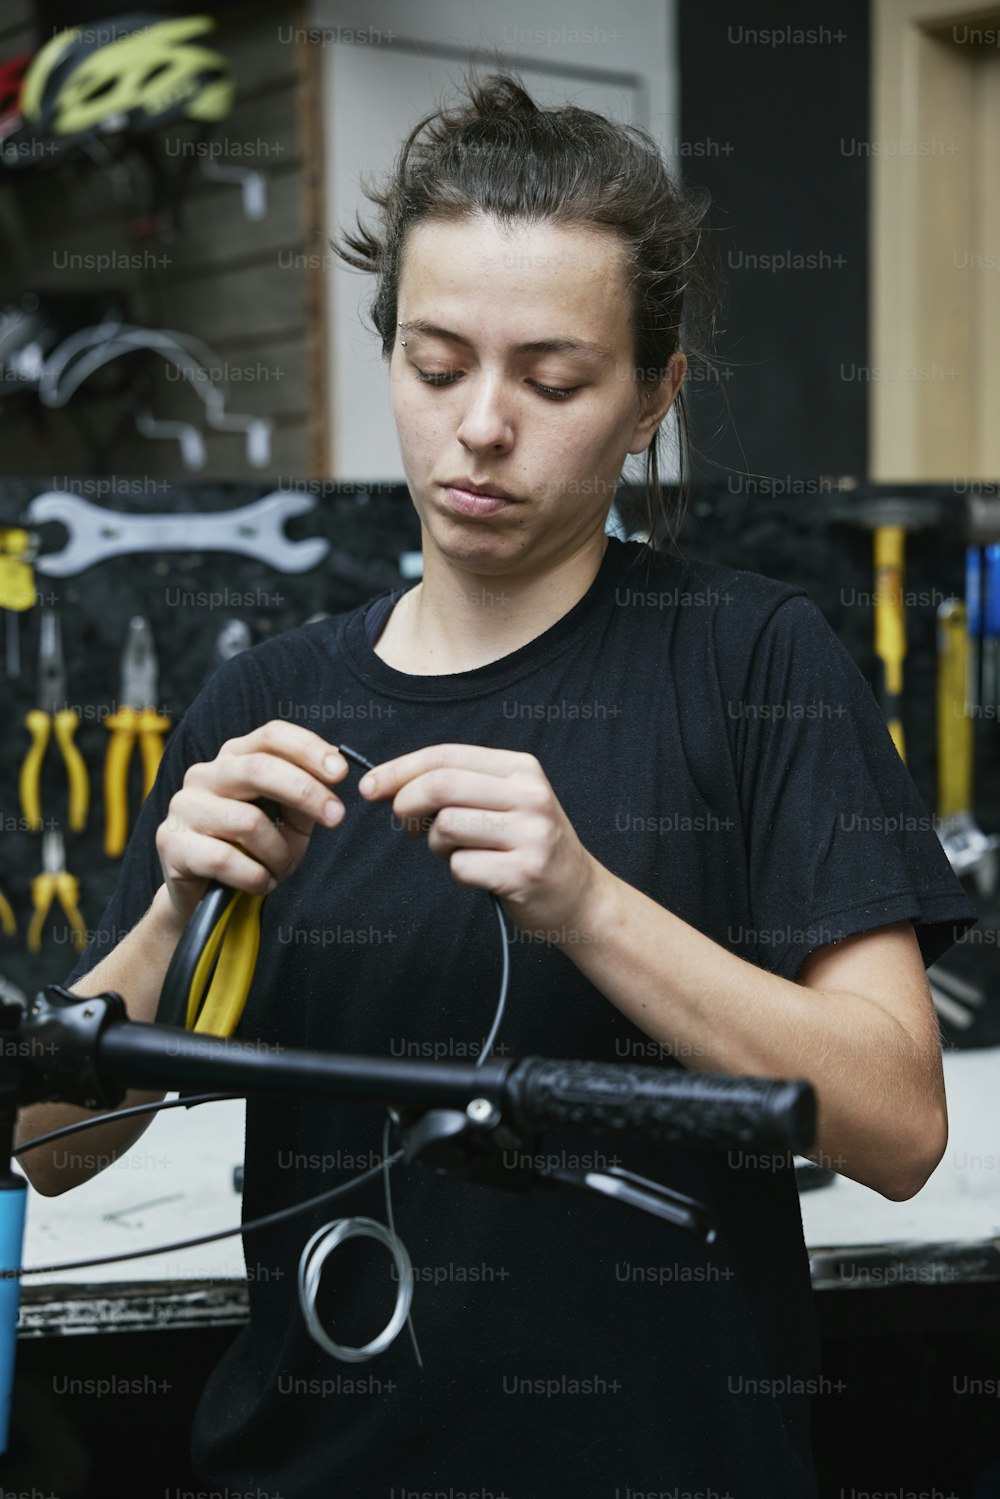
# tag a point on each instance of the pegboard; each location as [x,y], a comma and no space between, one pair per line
[187,596]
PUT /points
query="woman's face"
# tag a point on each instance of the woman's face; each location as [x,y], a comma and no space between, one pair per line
[470,296]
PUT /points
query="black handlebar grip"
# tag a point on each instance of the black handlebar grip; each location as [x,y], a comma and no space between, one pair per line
[697,1109]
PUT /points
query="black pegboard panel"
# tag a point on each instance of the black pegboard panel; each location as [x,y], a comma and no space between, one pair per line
[187,595]
[795,537]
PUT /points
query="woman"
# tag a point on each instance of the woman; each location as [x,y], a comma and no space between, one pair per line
[595,742]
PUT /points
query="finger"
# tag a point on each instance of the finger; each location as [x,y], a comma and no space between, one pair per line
[301,746]
[428,793]
[245,776]
[392,774]
[198,810]
[203,858]
[472,827]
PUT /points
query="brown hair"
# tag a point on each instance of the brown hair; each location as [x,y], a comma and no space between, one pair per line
[500,154]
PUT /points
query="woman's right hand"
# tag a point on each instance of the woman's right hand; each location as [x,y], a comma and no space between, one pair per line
[214,810]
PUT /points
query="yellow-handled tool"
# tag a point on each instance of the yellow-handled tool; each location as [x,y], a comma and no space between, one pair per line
[890,627]
[889,518]
[17,586]
[125,726]
[53,712]
[954,722]
[135,718]
[7,916]
[968,848]
[55,881]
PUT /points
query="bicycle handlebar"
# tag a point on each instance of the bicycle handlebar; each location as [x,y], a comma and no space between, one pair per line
[84,1050]
[703,1110]
[88,1051]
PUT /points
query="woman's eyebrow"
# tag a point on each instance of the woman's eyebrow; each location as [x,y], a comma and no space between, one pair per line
[535,346]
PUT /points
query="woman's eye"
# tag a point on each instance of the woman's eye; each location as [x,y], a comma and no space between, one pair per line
[557,391]
[553,392]
[435,379]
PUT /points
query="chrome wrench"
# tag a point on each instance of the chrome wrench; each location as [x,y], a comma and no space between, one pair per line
[254,530]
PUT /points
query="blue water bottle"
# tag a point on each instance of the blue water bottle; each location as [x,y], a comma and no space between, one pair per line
[13,1205]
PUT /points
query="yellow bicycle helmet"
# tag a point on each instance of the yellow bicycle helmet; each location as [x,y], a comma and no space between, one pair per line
[128,73]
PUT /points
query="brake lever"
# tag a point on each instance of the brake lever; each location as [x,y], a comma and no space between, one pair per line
[640,1192]
[446,1140]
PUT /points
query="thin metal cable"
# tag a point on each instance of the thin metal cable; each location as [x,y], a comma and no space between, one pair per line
[326,1239]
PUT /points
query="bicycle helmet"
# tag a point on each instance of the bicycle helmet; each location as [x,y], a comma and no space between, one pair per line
[128,73]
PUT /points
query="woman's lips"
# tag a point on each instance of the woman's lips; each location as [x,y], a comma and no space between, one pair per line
[467,503]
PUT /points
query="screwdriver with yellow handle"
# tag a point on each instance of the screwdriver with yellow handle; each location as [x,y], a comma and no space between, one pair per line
[890,518]
[53,713]
[18,549]
[969,849]
[136,717]
[890,627]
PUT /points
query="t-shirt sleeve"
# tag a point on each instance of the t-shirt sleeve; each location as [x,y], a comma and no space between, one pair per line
[839,838]
[223,709]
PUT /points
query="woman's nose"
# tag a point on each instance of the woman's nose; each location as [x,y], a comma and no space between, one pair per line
[486,418]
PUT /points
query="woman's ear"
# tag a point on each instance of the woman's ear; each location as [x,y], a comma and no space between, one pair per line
[658,402]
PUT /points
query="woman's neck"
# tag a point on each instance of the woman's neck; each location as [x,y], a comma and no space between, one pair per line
[466,633]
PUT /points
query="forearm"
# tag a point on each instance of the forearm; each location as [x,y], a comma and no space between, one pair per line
[716,1012]
[135,969]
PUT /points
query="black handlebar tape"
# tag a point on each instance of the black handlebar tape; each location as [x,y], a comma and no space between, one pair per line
[700,1110]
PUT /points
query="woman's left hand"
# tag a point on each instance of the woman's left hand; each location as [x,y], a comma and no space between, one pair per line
[493,815]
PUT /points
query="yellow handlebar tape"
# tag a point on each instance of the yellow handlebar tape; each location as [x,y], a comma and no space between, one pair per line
[223,1007]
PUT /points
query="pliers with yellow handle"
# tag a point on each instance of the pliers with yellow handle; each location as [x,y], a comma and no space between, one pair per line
[54,881]
[53,713]
[134,718]
[7,916]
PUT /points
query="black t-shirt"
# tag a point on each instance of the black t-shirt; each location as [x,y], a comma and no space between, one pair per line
[715,746]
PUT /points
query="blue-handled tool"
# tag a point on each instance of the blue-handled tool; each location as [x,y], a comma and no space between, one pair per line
[991,627]
[973,605]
